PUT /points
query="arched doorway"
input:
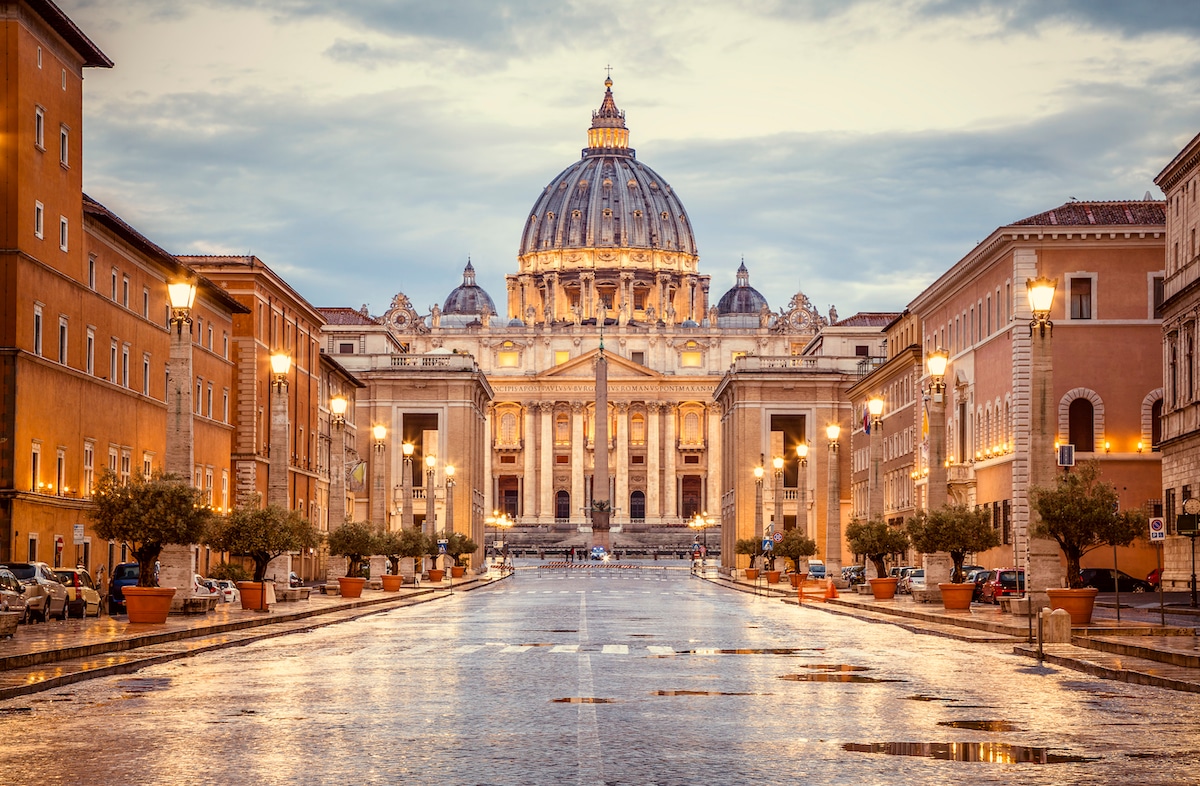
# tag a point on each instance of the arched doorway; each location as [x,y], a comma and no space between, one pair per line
[637,506]
[562,506]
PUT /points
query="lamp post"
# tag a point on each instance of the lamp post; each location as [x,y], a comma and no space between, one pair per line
[759,471]
[499,521]
[1042,556]
[449,498]
[935,489]
[875,479]
[279,568]
[702,522]
[378,456]
[802,482]
[777,517]
[179,561]
[406,515]
[337,475]
[833,513]
[430,496]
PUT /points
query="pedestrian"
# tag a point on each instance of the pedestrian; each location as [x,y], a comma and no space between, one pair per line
[157,565]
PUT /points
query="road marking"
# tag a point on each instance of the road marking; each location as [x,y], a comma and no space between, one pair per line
[587,736]
[661,650]
[615,649]
[565,648]
[516,648]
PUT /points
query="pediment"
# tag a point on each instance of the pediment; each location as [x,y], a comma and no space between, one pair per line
[585,366]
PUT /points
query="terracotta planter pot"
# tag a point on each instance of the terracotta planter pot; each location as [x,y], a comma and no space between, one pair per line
[252,595]
[436,575]
[773,576]
[457,571]
[751,574]
[797,579]
[148,604]
[1076,602]
[883,589]
[351,586]
[392,583]
[956,597]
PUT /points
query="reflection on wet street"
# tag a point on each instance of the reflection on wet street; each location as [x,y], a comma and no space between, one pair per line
[632,677]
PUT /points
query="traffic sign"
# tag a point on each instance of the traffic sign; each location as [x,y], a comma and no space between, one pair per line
[78,534]
[768,544]
[1158,529]
[777,537]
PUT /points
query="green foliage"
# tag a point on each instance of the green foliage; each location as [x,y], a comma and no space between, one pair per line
[1080,513]
[147,515]
[227,571]
[795,546]
[262,534]
[958,529]
[354,540]
[399,544]
[876,540]
[751,547]
[457,545]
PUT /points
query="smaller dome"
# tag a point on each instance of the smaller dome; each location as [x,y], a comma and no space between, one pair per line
[516,322]
[469,298]
[742,298]
[689,323]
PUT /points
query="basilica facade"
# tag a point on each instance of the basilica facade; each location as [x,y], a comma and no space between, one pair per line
[607,257]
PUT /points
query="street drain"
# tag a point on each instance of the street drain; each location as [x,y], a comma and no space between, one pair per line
[990,752]
[833,667]
[702,693]
[981,725]
[833,677]
[583,700]
[923,697]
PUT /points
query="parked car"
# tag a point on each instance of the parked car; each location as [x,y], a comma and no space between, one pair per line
[816,569]
[82,598]
[854,574]
[599,553]
[902,578]
[914,580]
[45,596]
[204,588]
[12,594]
[229,591]
[1102,579]
[978,577]
[967,570]
[294,580]
[1002,583]
[124,575]
[897,571]
[1154,577]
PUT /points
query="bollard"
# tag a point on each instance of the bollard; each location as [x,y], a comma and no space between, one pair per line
[1056,626]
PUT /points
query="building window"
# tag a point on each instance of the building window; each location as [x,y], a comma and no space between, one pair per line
[39,57]
[146,302]
[224,345]
[90,360]
[637,505]
[1081,298]
[37,329]
[63,233]
[210,336]
[126,461]
[1156,292]
[224,489]
[145,375]
[124,367]
[35,467]
[199,400]
[637,429]
[113,294]
[91,272]
[562,429]
[689,359]
[62,340]
[562,505]
[508,429]
[125,291]
[507,359]
[209,393]
[147,465]
[561,356]
[638,357]
[64,138]
[1081,426]
[39,128]
[89,468]
[225,406]
[112,363]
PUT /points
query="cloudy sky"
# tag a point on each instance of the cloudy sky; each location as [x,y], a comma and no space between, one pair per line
[850,148]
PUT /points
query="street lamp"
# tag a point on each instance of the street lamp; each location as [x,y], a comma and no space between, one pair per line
[449,498]
[379,448]
[179,562]
[406,516]
[702,522]
[430,496]
[1041,298]
[875,480]
[338,405]
[1041,556]
[935,488]
[499,521]
[277,483]
[802,482]
[759,471]
[777,516]
[833,513]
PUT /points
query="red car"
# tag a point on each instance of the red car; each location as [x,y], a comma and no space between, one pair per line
[1003,583]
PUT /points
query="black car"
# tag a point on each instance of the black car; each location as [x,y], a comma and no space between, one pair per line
[1102,579]
[123,575]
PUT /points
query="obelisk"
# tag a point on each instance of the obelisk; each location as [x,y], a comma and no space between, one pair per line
[601,501]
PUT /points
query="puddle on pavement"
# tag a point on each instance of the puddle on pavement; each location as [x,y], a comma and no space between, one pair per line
[583,700]
[14,710]
[536,644]
[981,725]
[991,752]
[834,667]
[1162,754]
[834,677]
[703,693]
[144,684]
[743,651]
[562,631]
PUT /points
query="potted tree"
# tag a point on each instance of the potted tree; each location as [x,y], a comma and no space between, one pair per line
[1081,513]
[405,543]
[795,547]
[261,534]
[146,515]
[354,540]
[433,551]
[877,540]
[959,530]
[751,547]
[458,544]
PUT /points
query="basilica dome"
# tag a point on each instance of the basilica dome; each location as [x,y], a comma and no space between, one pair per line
[608,199]
[742,303]
[469,298]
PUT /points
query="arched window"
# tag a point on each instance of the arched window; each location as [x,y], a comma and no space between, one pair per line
[562,505]
[562,429]
[637,506]
[637,429]
[508,429]
[1081,426]
[1156,424]
[691,428]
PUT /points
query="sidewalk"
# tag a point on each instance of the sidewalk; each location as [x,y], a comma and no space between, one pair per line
[1129,651]
[49,655]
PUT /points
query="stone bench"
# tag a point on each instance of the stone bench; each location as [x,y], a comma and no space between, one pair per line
[292,594]
[332,588]
[922,596]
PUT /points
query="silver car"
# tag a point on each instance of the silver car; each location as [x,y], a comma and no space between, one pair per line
[45,597]
[12,597]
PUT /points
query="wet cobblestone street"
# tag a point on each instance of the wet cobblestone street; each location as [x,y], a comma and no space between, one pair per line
[645,676]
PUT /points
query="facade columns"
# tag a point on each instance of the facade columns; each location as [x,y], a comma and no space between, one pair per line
[529,473]
[621,503]
[578,448]
[653,452]
[833,512]
[670,487]
[489,484]
[713,481]
[545,450]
